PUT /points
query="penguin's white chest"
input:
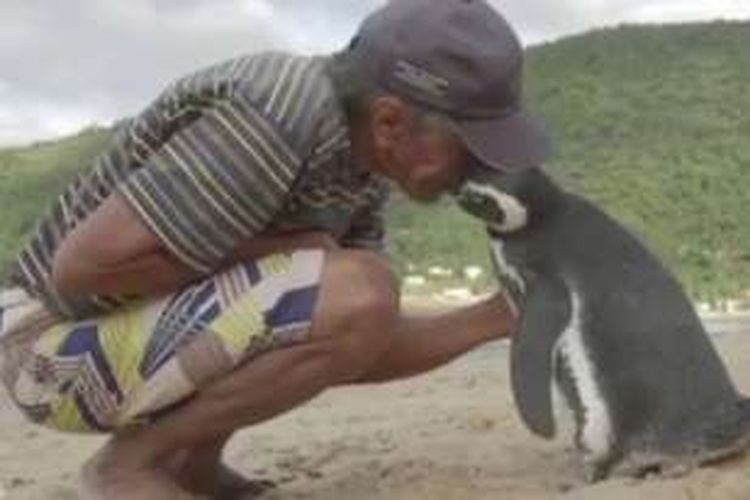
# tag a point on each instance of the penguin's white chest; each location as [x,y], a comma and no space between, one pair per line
[596,433]
[513,286]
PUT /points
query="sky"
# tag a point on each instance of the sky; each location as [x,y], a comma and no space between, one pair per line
[68,64]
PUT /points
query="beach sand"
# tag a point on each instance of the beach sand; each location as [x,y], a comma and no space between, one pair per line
[449,435]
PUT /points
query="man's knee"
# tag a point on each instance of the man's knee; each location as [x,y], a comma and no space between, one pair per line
[357,309]
[368,286]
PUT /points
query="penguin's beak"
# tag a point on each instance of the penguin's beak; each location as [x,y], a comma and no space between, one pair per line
[478,203]
[480,206]
[501,212]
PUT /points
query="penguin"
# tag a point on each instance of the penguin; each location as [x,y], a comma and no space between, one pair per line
[600,317]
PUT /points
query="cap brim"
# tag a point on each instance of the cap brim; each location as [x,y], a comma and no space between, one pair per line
[513,142]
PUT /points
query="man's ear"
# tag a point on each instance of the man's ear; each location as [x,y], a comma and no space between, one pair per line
[390,121]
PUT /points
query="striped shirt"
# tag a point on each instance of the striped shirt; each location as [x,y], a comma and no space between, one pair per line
[255,142]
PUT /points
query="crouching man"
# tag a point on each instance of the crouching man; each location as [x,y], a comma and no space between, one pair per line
[222,261]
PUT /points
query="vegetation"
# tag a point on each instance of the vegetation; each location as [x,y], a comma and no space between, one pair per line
[651,122]
[30,179]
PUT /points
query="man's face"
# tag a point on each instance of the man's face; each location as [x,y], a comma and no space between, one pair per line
[425,158]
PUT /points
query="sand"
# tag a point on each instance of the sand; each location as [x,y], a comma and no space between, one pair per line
[451,434]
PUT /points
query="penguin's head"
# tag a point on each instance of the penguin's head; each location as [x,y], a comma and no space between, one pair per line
[508,202]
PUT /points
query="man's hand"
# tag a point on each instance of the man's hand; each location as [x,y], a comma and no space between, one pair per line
[425,341]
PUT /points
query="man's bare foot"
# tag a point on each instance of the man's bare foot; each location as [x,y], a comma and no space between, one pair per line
[206,475]
[106,477]
[232,485]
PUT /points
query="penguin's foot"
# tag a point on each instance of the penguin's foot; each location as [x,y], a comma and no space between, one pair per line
[599,470]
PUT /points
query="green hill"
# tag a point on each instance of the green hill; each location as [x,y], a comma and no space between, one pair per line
[652,122]
[31,177]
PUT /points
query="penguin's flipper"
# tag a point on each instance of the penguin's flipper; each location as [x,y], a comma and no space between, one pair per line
[545,315]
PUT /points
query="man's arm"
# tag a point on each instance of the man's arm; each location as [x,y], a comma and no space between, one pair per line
[426,341]
[113,252]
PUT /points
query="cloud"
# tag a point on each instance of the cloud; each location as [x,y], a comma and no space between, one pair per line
[541,20]
[43,119]
[684,10]
[66,64]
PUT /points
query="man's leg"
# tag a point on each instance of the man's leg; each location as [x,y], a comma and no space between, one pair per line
[352,327]
[351,342]
[422,342]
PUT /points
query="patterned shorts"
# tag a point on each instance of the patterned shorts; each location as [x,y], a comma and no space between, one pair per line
[130,366]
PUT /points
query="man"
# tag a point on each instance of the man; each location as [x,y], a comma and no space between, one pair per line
[223,261]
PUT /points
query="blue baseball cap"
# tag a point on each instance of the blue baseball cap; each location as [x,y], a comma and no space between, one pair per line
[460,58]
